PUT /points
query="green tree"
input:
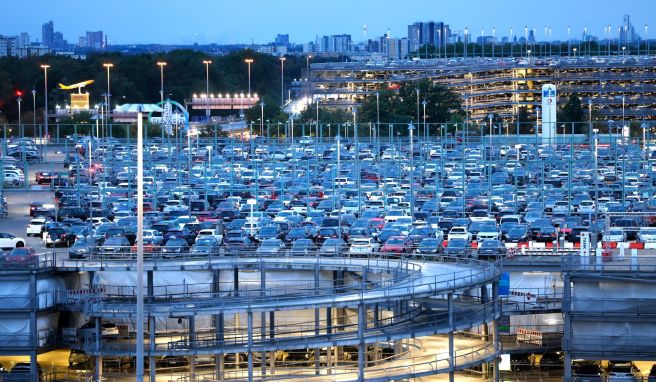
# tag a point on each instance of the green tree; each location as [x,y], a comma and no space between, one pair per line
[401,106]
[572,111]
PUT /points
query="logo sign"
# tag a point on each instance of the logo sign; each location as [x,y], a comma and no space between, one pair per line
[585,244]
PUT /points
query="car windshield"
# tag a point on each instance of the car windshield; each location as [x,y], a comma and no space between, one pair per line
[490,244]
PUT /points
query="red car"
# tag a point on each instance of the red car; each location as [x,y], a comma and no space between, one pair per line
[397,244]
[22,257]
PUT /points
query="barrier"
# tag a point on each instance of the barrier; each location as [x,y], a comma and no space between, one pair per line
[529,336]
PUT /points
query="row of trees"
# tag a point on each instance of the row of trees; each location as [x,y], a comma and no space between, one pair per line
[136,78]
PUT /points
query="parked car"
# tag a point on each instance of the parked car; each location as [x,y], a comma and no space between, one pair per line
[21,257]
[491,249]
[9,241]
[430,246]
[624,372]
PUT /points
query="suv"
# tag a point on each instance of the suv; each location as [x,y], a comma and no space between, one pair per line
[624,372]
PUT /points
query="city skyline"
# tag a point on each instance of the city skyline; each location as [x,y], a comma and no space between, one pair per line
[208,22]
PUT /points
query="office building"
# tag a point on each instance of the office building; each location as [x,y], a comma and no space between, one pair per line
[48,34]
[95,40]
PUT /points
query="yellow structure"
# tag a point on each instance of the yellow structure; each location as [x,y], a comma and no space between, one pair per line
[79,100]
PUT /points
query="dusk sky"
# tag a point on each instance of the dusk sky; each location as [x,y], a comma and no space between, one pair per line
[222,22]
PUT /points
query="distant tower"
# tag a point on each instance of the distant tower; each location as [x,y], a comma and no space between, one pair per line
[549,109]
[364,31]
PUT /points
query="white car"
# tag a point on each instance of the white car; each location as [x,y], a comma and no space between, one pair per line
[363,246]
[34,227]
[586,207]
[208,232]
[9,241]
[153,236]
[459,233]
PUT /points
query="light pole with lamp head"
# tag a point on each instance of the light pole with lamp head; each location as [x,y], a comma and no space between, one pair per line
[34,113]
[140,109]
[248,62]
[411,128]
[161,65]
[282,80]
[262,118]
[108,111]
[19,94]
[45,96]
[207,88]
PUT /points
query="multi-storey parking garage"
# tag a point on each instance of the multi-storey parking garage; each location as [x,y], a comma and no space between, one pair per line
[617,87]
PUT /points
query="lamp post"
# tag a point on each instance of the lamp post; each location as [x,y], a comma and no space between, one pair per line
[282,80]
[161,65]
[248,62]
[34,113]
[262,118]
[45,96]
[207,88]
[574,50]
[511,42]
[465,48]
[411,128]
[109,95]
[19,100]
[140,109]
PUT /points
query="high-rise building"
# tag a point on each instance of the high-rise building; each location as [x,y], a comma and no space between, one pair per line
[8,46]
[48,34]
[95,40]
[282,39]
[58,41]
[427,33]
[627,31]
[24,40]
[340,43]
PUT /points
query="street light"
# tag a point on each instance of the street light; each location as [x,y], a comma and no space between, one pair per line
[574,50]
[282,80]
[109,95]
[45,95]
[207,87]
[249,61]
[19,94]
[140,109]
[161,65]
[465,49]
[34,113]
[411,128]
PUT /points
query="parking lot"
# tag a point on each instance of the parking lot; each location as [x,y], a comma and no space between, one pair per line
[337,198]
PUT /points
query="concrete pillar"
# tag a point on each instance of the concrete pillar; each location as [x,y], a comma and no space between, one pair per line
[219,327]
[151,325]
[97,336]
[317,322]
[567,326]
[362,323]
[376,324]
[495,330]
[192,340]
[250,344]
[263,326]
[33,366]
[485,330]
[451,345]
[329,331]
[272,333]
